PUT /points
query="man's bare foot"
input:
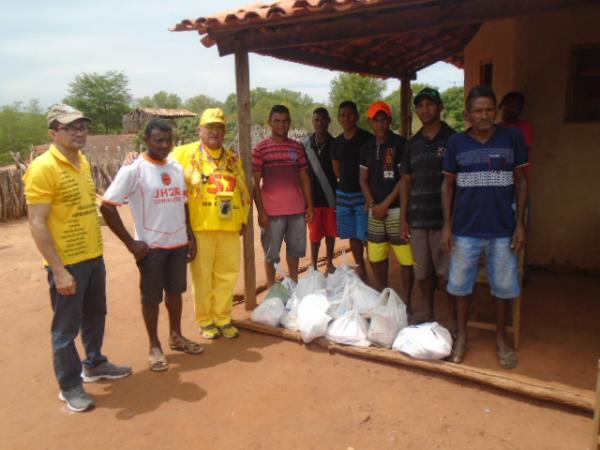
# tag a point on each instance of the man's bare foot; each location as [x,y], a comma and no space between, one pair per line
[507,357]
[330,268]
[362,273]
[459,350]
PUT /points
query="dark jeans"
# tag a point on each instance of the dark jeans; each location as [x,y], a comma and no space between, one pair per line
[85,310]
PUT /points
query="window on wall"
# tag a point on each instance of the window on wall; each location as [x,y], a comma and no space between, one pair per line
[486,71]
[583,90]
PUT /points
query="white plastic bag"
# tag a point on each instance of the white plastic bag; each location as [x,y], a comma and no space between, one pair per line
[312,317]
[364,298]
[340,304]
[337,281]
[425,341]
[269,312]
[289,319]
[311,283]
[349,329]
[387,319]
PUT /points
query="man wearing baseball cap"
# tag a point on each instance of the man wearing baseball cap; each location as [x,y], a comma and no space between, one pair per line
[61,199]
[219,202]
[421,197]
[380,164]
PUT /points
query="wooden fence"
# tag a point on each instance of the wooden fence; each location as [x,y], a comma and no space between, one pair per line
[12,195]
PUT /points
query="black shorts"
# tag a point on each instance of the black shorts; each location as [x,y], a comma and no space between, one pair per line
[162,270]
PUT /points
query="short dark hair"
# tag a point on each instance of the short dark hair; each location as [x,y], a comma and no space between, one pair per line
[321,111]
[157,124]
[478,92]
[279,109]
[513,94]
[348,104]
[54,125]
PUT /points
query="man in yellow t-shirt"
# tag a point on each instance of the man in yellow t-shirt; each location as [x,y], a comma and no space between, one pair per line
[219,203]
[61,195]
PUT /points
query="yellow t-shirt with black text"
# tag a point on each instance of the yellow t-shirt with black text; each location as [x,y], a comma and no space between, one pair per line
[209,172]
[73,221]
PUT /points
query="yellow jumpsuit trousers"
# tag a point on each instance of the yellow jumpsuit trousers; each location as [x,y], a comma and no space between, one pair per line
[215,271]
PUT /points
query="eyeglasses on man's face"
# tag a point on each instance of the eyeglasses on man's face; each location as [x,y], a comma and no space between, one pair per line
[74,129]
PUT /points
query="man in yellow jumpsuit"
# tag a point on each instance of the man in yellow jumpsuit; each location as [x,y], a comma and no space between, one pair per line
[219,203]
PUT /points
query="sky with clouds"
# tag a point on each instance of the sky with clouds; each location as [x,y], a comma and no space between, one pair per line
[44,44]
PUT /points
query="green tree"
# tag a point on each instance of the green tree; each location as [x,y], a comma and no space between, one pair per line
[161,99]
[200,102]
[361,90]
[102,97]
[299,104]
[454,107]
[21,127]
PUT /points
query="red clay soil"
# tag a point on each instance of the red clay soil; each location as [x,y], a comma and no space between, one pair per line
[255,392]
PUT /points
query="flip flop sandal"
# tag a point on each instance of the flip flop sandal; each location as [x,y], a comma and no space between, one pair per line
[508,359]
[184,345]
[158,362]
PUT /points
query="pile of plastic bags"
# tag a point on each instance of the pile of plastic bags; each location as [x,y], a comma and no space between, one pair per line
[347,311]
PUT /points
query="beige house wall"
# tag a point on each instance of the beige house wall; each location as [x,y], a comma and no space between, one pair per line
[531,54]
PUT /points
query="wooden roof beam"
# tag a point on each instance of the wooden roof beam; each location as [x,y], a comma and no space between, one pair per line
[331,63]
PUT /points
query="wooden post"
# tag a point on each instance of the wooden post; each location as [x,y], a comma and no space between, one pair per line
[596,428]
[405,109]
[242,81]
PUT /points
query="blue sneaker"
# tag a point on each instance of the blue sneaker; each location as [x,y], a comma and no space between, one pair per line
[77,399]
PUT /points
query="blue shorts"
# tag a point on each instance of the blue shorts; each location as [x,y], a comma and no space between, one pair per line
[352,218]
[502,266]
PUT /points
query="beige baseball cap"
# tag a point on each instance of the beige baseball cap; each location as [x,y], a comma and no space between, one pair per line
[65,114]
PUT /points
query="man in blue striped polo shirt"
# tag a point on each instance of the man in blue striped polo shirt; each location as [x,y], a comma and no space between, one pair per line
[483,170]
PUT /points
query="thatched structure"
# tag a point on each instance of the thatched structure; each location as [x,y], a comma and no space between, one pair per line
[136,119]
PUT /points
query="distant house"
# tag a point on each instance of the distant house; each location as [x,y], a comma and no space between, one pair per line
[136,119]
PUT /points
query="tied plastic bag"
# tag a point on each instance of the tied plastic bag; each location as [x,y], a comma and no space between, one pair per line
[269,312]
[337,281]
[363,297]
[340,304]
[425,341]
[289,319]
[349,329]
[286,281]
[312,317]
[387,319]
[312,283]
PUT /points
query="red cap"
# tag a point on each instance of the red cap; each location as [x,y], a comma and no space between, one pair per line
[379,106]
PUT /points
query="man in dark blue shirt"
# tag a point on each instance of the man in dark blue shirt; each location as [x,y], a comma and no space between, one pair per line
[484,171]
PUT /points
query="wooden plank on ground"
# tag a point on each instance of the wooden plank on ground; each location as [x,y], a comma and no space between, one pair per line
[518,384]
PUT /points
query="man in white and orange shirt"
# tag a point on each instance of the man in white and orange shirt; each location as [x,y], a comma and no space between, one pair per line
[156,191]
[219,204]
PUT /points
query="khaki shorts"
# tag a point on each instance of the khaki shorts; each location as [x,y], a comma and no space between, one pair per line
[429,257]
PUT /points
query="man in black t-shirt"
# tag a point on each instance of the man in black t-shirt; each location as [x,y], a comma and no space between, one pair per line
[323,183]
[381,160]
[350,202]
[420,193]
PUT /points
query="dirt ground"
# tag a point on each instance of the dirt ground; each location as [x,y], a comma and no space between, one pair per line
[255,392]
